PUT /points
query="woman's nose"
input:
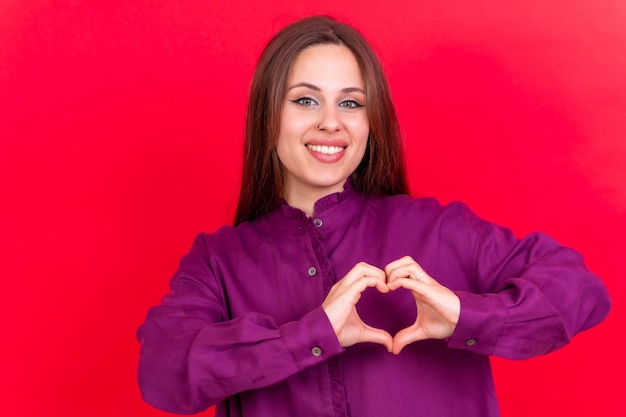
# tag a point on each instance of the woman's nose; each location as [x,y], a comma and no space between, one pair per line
[330,121]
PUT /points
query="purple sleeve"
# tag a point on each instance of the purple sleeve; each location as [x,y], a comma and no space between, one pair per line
[532,296]
[192,357]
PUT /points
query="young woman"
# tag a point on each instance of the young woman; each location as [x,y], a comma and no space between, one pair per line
[337,294]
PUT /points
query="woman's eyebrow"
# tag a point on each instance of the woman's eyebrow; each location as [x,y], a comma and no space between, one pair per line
[352,90]
[316,88]
[305,84]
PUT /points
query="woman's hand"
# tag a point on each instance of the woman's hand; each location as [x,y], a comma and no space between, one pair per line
[438,308]
[340,306]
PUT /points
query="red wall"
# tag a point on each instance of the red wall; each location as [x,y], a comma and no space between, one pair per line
[120,139]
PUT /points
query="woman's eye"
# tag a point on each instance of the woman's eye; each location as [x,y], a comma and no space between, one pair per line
[304,101]
[350,104]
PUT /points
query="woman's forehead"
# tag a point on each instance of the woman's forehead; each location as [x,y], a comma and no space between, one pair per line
[326,66]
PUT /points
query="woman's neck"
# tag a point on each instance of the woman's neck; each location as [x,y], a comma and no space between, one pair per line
[304,198]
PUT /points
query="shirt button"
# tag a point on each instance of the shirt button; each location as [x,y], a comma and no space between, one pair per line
[470,342]
[318,222]
[316,351]
[312,271]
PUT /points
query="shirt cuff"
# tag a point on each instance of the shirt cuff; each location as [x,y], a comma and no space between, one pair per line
[311,339]
[481,320]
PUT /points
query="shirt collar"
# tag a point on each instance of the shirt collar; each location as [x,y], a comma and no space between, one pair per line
[340,205]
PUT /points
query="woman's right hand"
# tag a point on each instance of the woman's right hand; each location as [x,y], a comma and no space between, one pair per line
[340,306]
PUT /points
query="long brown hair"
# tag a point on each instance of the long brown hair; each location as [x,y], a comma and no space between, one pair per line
[382,169]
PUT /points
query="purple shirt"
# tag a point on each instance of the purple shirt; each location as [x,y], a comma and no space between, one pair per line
[243,328]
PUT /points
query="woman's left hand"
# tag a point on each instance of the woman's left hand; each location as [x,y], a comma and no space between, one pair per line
[438,308]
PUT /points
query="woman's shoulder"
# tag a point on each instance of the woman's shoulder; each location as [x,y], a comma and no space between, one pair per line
[416,213]
[424,205]
[222,234]
[229,235]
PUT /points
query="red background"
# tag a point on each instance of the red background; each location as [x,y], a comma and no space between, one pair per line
[120,138]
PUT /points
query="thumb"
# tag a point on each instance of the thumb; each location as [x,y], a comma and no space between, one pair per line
[405,337]
[374,335]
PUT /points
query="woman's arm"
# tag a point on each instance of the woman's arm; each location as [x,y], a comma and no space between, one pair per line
[192,356]
[529,296]
[510,297]
[533,296]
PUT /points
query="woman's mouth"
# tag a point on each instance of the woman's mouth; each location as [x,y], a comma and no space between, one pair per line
[326,150]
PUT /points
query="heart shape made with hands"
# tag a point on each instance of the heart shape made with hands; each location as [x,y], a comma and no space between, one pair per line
[399,309]
[366,306]
[409,315]
[400,317]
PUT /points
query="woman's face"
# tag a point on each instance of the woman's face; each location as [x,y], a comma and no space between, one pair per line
[323,124]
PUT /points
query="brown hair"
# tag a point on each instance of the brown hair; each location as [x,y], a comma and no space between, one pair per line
[382,169]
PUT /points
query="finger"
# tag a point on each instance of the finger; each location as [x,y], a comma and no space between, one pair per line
[379,336]
[404,261]
[344,296]
[405,337]
[361,270]
[411,270]
[415,282]
[368,282]
[429,292]
[355,281]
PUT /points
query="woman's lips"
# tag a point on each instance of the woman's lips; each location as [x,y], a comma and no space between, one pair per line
[326,153]
[326,150]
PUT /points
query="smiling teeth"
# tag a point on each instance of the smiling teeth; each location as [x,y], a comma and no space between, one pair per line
[327,150]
